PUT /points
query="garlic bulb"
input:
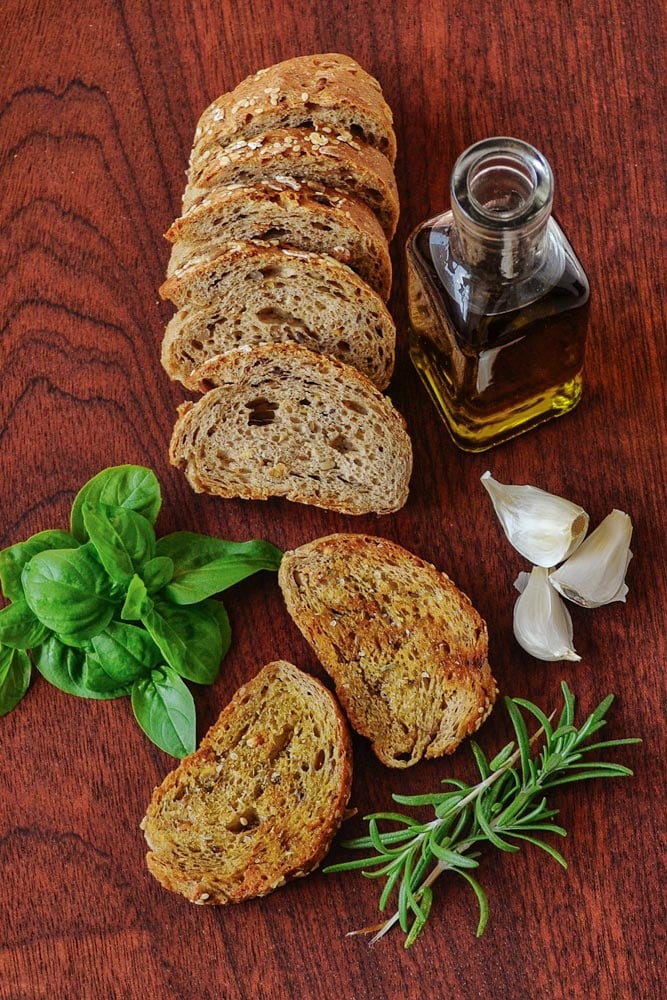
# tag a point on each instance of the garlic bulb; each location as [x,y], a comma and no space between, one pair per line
[595,574]
[544,528]
[542,623]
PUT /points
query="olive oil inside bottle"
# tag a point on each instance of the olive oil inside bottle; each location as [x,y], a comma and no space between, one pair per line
[494,375]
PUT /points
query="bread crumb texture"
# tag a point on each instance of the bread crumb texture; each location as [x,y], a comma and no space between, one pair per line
[304,217]
[405,647]
[279,420]
[261,799]
[254,294]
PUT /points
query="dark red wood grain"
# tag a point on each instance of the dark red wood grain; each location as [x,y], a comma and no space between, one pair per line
[98,104]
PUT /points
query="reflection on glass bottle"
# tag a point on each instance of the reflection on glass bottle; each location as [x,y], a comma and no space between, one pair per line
[495,294]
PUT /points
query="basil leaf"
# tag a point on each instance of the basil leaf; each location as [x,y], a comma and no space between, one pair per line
[19,626]
[205,566]
[156,573]
[124,652]
[123,539]
[130,486]
[189,638]
[69,591]
[15,669]
[68,670]
[136,600]
[165,710]
[219,612]
[97,682]
[14,558]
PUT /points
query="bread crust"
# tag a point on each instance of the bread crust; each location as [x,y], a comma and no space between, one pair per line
[406,649]
[314,91]
[261,799]
[299,216]
[337,161]
[278,420]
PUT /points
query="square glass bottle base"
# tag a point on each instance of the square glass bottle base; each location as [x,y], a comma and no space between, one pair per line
[476,432]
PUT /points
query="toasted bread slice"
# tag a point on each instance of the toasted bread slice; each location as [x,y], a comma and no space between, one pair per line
[304,218]
[280,421]
[260,801]
[255,293]
[405,647]
[322,91]
[337,162]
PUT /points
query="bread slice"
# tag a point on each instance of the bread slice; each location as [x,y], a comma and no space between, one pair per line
[406,649]
[280,421]
[253,294]
[336,161]
[316,220]
[260,801]
[326,90]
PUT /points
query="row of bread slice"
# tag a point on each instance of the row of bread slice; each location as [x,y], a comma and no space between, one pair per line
[261,799]
[296,163]
[279,271]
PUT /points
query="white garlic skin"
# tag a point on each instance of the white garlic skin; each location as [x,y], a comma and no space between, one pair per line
[542,623]
[595,574]
[544,528]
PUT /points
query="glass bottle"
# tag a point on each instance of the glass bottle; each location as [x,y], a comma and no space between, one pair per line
[495,297]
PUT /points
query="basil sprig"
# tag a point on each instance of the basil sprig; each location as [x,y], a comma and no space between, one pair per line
[107,610]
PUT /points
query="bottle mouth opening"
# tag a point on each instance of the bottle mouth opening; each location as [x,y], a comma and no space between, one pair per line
[502,183]
[501,186]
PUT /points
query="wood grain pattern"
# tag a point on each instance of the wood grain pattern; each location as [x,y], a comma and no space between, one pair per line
[98,103]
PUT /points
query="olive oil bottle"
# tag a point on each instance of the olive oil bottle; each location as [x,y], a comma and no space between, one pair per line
[497,299]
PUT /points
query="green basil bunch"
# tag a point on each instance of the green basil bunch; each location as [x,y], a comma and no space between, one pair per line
[106,609]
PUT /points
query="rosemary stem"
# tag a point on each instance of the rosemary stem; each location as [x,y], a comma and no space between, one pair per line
[482,786]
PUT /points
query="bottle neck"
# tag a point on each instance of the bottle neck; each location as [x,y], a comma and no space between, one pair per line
[501,196]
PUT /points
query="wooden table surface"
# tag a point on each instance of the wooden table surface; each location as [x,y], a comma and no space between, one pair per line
[99,102]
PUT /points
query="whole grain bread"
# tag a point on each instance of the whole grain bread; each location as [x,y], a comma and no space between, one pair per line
[252,294]
[261,799]
[278,420]
[406,649]
[337,161]
[326,90]
[316,220]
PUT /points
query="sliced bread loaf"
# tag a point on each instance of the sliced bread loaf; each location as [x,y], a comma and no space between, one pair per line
[261,799]
[320,221]
[280,421]
[252,294]
[338,162]
[405,647]
[311,91]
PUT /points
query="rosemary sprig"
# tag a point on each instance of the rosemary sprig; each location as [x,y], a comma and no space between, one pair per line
[506,808]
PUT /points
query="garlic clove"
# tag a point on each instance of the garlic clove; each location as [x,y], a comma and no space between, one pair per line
[595,574]
[544,528]
[542,623]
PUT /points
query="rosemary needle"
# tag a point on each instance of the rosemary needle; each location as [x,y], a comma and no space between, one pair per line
[506,808]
